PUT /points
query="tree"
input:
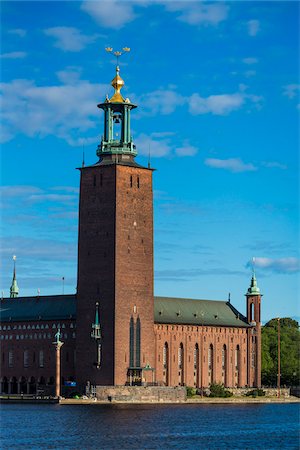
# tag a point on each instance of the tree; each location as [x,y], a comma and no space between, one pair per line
[289,352]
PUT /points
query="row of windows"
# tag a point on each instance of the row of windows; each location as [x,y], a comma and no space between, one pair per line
[35,327]
[35,336]
[30,358]
[200,328]
[210,355]
[95,179]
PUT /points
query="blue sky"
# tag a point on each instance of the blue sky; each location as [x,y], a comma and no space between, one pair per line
[217,88]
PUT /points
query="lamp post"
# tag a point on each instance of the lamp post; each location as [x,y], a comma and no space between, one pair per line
[278,351]
[58,344]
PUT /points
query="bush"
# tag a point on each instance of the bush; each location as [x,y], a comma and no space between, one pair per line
[218,390]
[256,393]
[191,391]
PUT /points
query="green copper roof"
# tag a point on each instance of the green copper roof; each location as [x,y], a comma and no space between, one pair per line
[54,307]
[197,312]
[253,289]
[166,310]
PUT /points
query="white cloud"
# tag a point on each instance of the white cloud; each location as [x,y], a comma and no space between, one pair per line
[110,14]
[19,191]
[291,90]
[18,31]
[13,55]
[161,102]
[216,104]
[279,265]
[69,38]
[196,13]
[115,13]
[250,61]
[250,73]
[157,147]
[274,165]
[64,110]
[186,150]
[234,165]
[253,27]
[70,75]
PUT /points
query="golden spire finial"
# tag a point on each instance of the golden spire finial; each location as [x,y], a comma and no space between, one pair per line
[117,83]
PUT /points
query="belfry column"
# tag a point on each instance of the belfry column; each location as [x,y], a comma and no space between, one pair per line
[58,344]
[253,297]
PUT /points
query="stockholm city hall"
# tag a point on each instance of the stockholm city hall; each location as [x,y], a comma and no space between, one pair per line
[114,331]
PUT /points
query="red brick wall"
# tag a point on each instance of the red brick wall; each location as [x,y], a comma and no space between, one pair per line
[19,337]
[204,336]
[115,267]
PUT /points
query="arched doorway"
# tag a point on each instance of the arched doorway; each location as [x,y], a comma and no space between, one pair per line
[23,385]
[13,385]
[32,386]
[4,385]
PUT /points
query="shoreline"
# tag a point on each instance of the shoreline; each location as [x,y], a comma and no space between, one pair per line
[190,401]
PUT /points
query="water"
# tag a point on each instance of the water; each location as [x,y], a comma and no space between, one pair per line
[261,426]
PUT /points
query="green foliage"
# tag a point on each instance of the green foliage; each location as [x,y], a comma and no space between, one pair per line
[256,393]
[191,391]
[289,352]
[218,390]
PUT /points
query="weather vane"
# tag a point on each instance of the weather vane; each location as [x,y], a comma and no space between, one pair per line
[117,53]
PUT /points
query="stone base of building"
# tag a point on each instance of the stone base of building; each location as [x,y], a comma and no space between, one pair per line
[269,392]
[141,394]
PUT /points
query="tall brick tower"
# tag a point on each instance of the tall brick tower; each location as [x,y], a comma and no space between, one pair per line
[115,257]
[253,297]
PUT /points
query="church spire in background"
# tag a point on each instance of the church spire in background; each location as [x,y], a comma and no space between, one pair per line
[14,290]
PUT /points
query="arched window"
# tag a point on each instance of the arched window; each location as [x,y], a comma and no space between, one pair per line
[210,363]
[196,365]
[224,366]
[131,343]
[180,356]
[252,312]
[166,364]
[138,344]
[181,364]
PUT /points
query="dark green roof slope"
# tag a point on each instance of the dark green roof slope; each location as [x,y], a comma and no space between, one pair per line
[52,307]
[197,312]
[166,310]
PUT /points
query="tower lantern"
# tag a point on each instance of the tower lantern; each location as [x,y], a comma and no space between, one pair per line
[117,139]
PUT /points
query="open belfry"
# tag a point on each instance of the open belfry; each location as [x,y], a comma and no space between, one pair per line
[114,331]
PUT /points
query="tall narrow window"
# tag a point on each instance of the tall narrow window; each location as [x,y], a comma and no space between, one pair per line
[10,358]
[131,343]
[138,344]
[224,371]
[26,358]
[95,180]
[196,366]
[196,356]
[41,358]
[101,179]
[210,363]
[166,363]
[181,365]
[131,181]
[236,357]
[138,182]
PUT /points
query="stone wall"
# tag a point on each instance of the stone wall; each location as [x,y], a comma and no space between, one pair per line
[270,392]
[141,394]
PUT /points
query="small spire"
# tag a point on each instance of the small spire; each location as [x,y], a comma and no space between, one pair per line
[253,289]
[117,83]
[14,290]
